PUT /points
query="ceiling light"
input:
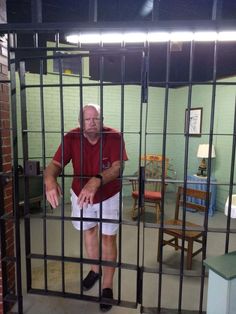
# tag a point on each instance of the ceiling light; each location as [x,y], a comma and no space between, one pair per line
[142,37]
[90,38]
[135,37]
[112,37]
[73,39]
[181,36]
[158,36]
[205,36]
[227,36]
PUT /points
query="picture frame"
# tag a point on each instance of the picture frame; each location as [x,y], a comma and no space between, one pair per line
[195,121]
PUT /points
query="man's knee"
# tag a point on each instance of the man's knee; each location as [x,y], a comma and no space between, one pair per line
[91,231]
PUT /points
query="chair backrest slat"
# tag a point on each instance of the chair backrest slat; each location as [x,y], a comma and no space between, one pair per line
[195,199]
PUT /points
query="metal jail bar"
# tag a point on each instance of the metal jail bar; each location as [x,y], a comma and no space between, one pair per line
[62,133]
[140,269]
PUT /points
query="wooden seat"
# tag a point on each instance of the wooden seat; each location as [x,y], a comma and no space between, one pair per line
[189,236]
[152,189]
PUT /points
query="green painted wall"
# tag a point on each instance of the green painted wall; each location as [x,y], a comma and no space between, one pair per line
[177,103]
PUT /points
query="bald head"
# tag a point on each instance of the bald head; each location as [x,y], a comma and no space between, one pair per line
[87,107]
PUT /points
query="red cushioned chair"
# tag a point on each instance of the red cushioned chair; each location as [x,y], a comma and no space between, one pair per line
[152,189]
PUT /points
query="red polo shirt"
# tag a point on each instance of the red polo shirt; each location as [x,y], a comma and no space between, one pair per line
[92,159]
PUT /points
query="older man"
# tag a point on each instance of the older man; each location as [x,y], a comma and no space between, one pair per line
[97,154]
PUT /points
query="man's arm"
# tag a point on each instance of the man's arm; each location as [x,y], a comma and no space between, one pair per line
[89,190]
[53,190]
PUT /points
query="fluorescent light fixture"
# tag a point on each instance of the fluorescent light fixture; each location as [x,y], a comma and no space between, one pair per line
[90,38]
[181,36]
[135,37]
[205,36]
[227,36]
[112,38]
[142,37]
[73,39]
[158,37]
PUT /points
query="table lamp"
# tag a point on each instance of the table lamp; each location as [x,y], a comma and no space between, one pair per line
[203,151]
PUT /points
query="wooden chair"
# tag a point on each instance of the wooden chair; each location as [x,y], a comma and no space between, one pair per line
[152,190]
[195,200]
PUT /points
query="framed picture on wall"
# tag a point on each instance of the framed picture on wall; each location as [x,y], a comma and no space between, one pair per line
[195,121]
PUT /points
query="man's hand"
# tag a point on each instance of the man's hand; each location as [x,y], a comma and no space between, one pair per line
[86,195]
[53,193]
[53,189]
[89,190]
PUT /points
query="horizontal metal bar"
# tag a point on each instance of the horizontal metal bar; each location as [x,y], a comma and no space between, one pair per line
[7,216]
[79,260]
[5,81]
[118,83]
[209,229]
[154,310]
[79,85]
[173,271]
[7,259]
[168,25]
[81,297]
[82,52]
[10,298]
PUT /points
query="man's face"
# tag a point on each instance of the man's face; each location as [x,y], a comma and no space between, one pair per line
[91,120]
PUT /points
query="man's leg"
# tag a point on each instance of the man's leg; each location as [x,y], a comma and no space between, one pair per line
[91,245]
[109,253]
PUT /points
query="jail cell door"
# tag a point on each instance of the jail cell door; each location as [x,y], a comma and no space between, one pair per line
[49,106]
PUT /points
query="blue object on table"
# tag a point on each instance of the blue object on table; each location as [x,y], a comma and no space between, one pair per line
[200,183]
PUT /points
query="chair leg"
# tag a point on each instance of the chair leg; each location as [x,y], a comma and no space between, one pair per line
[189,255]
[134,209]
[176,244]
[158,212]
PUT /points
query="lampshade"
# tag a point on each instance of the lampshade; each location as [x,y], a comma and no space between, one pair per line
[203,151]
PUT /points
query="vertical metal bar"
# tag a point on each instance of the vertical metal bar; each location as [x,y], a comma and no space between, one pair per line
[16,182]
[185,178]
[62,174]
[36,40]
[141,188]
[44,165]
[145,81]
[163,152]
[101,76]
[57,39]
[217,9]
[144,85]
[26,179]
[36,11]
[156,10]
[140,205]
[204,245]
[81,169]
[231,184]
[93,7]
[121,173]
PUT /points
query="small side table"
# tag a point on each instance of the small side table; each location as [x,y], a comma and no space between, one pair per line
[221,284]
[200,183]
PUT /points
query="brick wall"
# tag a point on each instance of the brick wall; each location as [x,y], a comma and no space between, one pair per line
[5,143]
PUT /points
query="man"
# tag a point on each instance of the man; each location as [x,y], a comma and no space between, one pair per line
[97,160]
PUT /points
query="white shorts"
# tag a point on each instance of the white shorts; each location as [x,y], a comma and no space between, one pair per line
[110,210]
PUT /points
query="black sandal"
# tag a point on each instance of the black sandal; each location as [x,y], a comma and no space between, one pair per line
[90,280]
[106,293]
